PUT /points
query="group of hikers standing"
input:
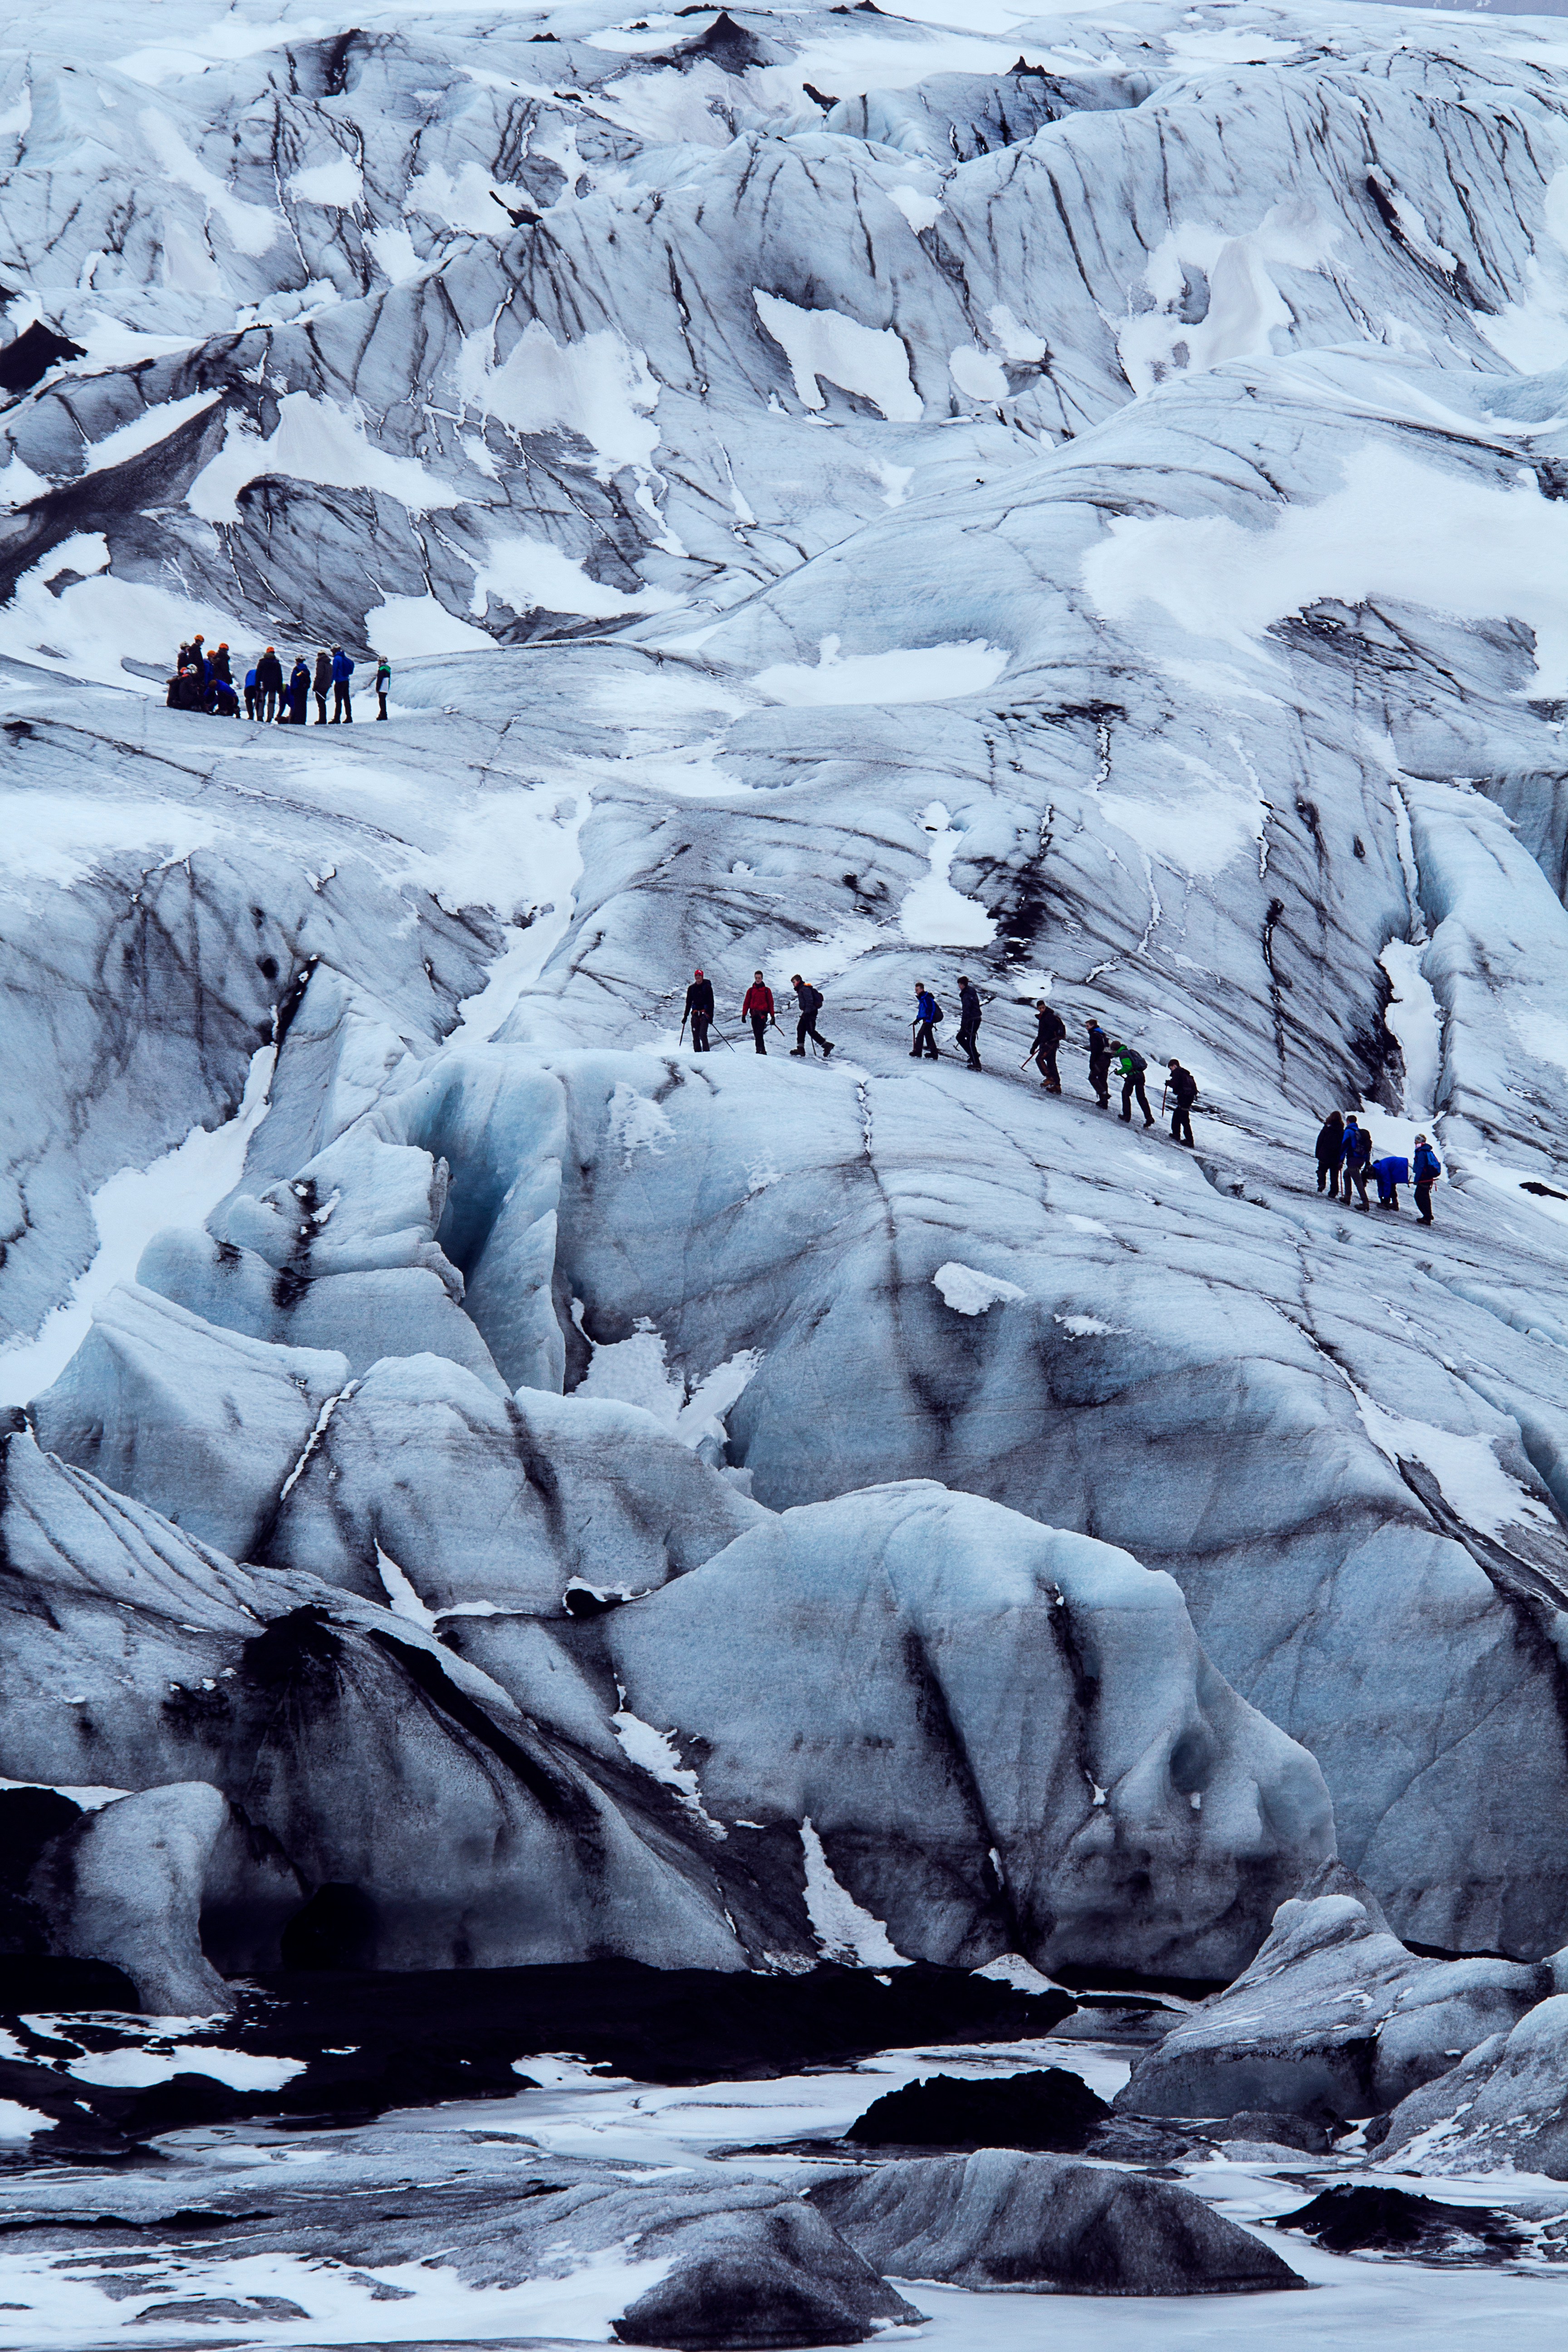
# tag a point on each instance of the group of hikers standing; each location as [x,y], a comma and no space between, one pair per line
[1347,1156]
[205,682]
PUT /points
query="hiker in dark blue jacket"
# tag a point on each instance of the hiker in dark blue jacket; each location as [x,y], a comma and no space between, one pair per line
[343,671]
[1391,1172]
[1355,1157]
[969,1019]
[1426,1167]
[1099,1051]
[928,1012]
[809,999]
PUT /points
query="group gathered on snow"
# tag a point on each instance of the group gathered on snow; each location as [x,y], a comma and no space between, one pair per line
[1347,1156]
[205,682]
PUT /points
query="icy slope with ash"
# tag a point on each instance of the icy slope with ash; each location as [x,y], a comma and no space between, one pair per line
[1085,508]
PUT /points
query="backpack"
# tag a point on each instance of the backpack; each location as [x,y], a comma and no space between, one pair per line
[811,1003]
[1135,1062]
[936,1012]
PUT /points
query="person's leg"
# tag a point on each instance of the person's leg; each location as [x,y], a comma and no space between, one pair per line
[699,1033]
[802,1032]
[1186,1125]
[1052,1075]
[1143,1106]
[1322,1173]
[1127,1100]
[929,1028]
[1424,1202]
[381,699]
[759,1023]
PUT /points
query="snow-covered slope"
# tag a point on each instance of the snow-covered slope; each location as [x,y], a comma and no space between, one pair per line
[1077,501]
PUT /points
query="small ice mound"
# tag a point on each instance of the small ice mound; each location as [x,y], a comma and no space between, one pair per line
[906,674]
[969,1292]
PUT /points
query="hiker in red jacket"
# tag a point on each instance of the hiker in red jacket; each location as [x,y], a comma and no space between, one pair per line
[758,1009]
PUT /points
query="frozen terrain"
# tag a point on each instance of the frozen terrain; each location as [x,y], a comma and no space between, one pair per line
[1079,500]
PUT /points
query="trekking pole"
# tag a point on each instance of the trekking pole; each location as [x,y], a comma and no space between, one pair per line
[720,1034]
[1163,1092]
[681,1039]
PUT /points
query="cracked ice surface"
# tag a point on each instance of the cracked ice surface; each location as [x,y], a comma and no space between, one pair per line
[1099,527]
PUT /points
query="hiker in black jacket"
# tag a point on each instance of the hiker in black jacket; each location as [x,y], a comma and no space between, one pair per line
[809,999]
[321,685]
[1184,1089]
[698,1011]
[1099,1052]
[969,1019]
[1330,1150]
[269,684]
[1050,1031]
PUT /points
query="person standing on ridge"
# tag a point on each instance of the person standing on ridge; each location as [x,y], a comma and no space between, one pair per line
[299,691]
[1131,1066]
[320,684]
[1050,1031]
[970,1018]
[1357,1159]
[1184,1095]
[698,1011]
[1426,1167]
[1100,1053]
[1330,1149]
[250,691]
[809,999]
[269,684]
[928,1012]
[757,1007]
[382,684]
[343,671]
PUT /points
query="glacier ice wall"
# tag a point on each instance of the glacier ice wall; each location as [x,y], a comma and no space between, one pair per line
[842,495]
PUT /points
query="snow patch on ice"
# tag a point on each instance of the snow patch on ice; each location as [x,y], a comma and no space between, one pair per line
[868,361]
[1414,1018]
[314,441]
[933,914]
[978,374]
[84,631]
[1443,541]
[634,1371]
[405,627]
[138,2070]
[181,1189]
[969,1292]
[845,1932]
[907,674]
[251,227]
[533,575]
[920,212]
[654,1753]
[338,184]
[1473,1481]
[1086,1326]
[597,387]
[145,432]
[401,1597]
[1245,304]
[636,1123]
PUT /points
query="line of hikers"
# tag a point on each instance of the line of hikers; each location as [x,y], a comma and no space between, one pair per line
[1347,1155]
[205,682]
[1105,1053]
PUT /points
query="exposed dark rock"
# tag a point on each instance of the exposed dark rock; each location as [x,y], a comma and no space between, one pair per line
[1047,2108]
[1357,2218]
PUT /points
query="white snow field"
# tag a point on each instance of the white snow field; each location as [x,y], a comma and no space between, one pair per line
[1075,501]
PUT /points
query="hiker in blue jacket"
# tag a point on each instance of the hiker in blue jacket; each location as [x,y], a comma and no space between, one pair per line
[1355,1158]
[343,671]
[928,1012]
[1426,1167]
[1391,1172]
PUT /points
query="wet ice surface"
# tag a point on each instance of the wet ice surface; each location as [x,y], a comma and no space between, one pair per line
[654,2131]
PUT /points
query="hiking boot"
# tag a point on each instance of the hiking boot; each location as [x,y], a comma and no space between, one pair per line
[797,1053]
[825,1051]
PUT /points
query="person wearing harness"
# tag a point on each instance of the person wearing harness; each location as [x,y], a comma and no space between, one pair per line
[928,1012]
[698,1011]
[1131,1066]
[757,1007]
[1184,1095]
[1426,1167]
[809,999]
[1100,1053]
[968,1021]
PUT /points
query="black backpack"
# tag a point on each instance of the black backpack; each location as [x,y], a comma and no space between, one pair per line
[937,1013]
[811,1003]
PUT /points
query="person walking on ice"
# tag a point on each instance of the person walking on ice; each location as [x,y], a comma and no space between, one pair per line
[698,1011]
[1426,1167]
[969,1019]
[1099,1052]
[1050,1031]
[1357,1159]
[343,671]
[382,684]
[809,999]
[928,1012]
[757,1007]
[1131,1066]
[1184,1091]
